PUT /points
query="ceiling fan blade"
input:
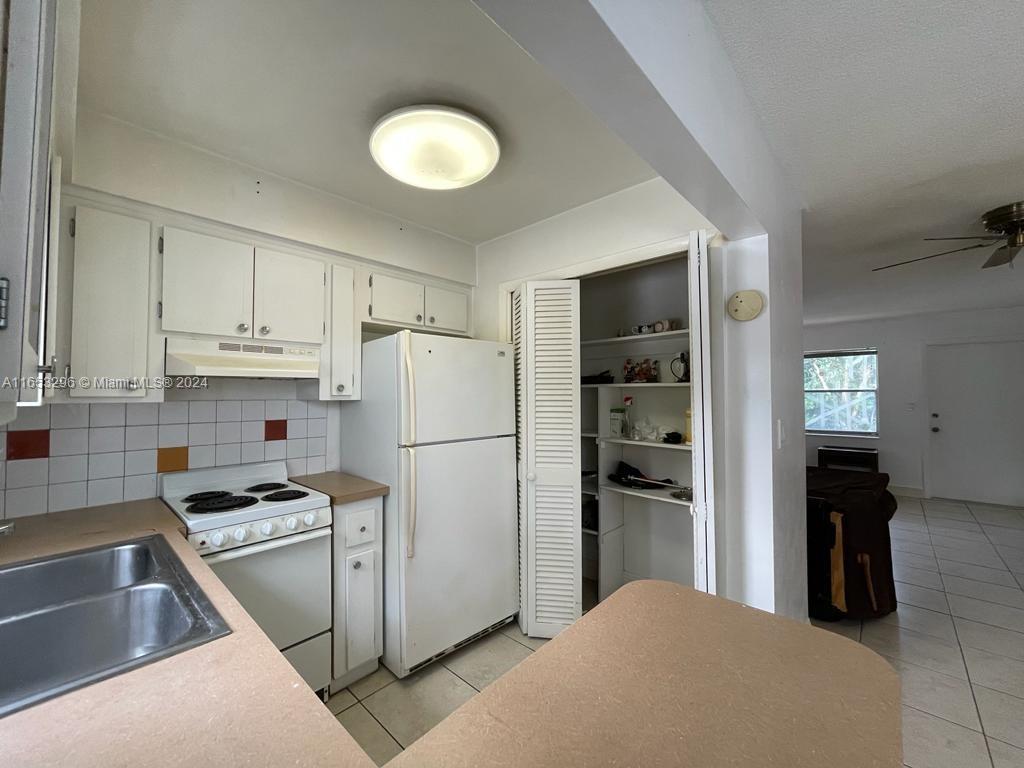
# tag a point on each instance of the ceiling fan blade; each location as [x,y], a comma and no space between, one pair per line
[975,237]
[1004,255]
[924,258]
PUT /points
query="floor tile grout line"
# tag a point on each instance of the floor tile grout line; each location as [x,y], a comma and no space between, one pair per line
[1001,558]
[974,698]
[944,719]
[461,678]
[384,727]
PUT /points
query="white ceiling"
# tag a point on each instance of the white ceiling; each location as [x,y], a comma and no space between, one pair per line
[294,88]
[897,121]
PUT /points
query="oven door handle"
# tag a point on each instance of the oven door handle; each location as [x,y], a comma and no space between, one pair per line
[266,546]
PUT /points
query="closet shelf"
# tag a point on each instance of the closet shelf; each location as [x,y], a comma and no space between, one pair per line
[635,385]
[590,531]
[649,444]
[588,434]
[639,337]
[589,486]
[654,495]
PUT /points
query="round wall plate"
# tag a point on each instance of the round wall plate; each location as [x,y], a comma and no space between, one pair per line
[745,305]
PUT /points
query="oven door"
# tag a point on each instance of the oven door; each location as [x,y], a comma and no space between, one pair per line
[284,584]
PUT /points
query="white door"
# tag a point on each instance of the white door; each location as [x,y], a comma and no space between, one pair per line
[343,342]
[360,608]
[976,422]
[288,298]
[546,336]
[447,310]
[396,301]
[458,536]
[461,389]
[110,302]
[207,284]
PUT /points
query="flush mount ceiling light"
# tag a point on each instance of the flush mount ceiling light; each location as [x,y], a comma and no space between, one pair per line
[434,147]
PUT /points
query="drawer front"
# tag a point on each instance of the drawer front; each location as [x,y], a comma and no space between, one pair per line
[360,526]
[312,660]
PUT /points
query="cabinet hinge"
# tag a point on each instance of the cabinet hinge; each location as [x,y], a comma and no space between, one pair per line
[160,244]
[159,309]
[325,328]
[371,281]
[369,309]
[71,227]
[325,278]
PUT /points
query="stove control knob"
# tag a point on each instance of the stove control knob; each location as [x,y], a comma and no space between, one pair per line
[267,528]
[241,534]
[310,518]
[291,523]
[218,539]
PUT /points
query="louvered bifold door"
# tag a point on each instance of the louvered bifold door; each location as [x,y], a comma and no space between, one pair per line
[546,338]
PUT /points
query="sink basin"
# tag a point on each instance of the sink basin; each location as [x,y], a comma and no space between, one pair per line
[71,620]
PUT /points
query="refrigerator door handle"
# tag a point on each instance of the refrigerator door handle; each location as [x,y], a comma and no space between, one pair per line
[410,532]
[410,379]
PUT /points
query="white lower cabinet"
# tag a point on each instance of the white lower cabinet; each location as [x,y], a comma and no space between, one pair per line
[358,590]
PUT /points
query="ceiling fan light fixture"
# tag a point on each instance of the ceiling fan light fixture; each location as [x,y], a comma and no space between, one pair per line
[434,147]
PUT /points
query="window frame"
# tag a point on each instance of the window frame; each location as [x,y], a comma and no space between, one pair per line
[847,353]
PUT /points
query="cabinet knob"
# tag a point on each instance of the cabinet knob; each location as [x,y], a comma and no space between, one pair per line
[357,565]
[431,318]
[362,529]
[340,387]
[419,318]
[264,329]
[243,327]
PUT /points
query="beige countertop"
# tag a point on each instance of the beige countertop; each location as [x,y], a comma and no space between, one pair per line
[232,701]
[341,487]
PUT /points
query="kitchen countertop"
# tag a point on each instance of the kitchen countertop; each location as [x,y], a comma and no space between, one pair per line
[233,701]
[341,487]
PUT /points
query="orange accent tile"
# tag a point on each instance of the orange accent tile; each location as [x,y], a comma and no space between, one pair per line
[171,459]
[28,444]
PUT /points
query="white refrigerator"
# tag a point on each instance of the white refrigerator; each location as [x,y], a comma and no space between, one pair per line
[436,423]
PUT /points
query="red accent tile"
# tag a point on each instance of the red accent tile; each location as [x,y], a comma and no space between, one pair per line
[275,429]
[28,444]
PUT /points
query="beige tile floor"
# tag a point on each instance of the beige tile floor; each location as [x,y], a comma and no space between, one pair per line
[386,715]
[957,639]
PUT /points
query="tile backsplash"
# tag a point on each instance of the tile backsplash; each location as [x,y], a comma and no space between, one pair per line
[62,456]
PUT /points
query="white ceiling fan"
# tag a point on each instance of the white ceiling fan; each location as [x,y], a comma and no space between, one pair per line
[1007,225]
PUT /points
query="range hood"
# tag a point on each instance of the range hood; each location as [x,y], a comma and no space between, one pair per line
[211,357]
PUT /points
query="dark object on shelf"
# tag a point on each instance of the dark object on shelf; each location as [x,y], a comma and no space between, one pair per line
[680,367]
[588,473]
[631,477]
[843,457]
[644,371]
[683,494]
[849,558]
[604,377]
[588,514]
[673,438]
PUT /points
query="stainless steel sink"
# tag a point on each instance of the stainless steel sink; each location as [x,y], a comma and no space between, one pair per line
[74,619]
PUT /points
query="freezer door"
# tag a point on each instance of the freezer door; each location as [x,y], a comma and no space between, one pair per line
[455,389]
[462,574]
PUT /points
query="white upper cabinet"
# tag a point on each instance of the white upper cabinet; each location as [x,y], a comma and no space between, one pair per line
[110,302]
[288,298]
[343,368]
[447,310]
[396,301]
[207,284]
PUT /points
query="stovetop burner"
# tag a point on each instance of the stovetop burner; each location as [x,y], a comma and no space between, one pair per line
[261,487]
[288,495]
[205,496]
[224,503]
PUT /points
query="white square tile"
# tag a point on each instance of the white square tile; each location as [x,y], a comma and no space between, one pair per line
[316,409]
[106,439]
[229,432]
[172,435]
[202,434]
[297,448]
[922,597]
[1001,714]
[277,409]
[65,442]
[993,593]
[23,473]
[202,456]
[67,496]
[228,454]
[174,413]
[106,465]
[297,409]
[941,695]
[316,464]
[996,672]
[296,428]
[931,742]
[1005,642]
[139,487]
[923,650]
[107,491]
[253,410]
[106,415]
[31,417]
[22,502]
[316,446]
[410,707]
[69,469]
[140,438]
[987,613]
[68,416]
[229,410]
[252,452]
[275,450]
[296,467]
[252,431]
[138,414]
[202,411]
[316,428]
[3,478]
[1005,756]
[140,462]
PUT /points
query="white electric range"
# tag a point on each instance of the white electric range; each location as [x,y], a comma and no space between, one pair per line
[269,541]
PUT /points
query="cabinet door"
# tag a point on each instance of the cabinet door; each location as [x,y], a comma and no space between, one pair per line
[360,608]
[343,342]
[447,309]
[207,284]
[288,298]
[396,301]
[110,302]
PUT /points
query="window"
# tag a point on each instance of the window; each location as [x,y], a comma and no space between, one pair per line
[841,392]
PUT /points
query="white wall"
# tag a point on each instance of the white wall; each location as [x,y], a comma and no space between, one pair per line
[902,384]
[122,159]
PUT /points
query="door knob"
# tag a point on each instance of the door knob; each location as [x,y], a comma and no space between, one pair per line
[431,318]
[419,318]
[936,429]
[357,565]
[243,327]
[264,329]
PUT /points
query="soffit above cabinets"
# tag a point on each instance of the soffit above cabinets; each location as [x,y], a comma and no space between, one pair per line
[296,90]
